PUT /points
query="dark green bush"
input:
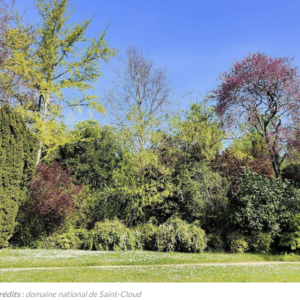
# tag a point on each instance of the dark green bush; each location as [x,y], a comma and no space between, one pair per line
[215,242]
[291,172]
[291,238]
[263,205]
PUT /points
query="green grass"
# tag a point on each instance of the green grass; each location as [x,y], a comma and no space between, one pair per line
[268,273]
[77,258]
[152,270]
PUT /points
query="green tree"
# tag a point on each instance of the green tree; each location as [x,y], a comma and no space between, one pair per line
[18,148]
[196,133]
[92,160]
[53,61]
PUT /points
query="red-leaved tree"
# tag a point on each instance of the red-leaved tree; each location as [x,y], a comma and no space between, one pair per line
[51,194]
[265,93]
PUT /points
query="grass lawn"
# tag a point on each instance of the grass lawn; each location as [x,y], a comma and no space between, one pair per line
[146,267]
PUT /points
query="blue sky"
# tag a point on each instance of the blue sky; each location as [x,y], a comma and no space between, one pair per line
[195,40]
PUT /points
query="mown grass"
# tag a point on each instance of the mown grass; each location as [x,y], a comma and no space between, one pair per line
[77,258]
[266,273]
[152,270]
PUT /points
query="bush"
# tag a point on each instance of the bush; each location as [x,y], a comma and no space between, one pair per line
[147,235]
[291,238]
[263,205]
[72,239]
[261,242]
[178,235]
[292,172]
[237,242]
[113,235]
[51,196]
[215,242]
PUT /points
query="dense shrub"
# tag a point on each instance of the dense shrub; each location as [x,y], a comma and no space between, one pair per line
[51,195]
[237,242]
[263,205]
[147,235]
[291,238]
[232,168]
[215,242]
[291,172]
[113,235]
[261,242]
[178,235]
[93,159]
[72,239]
[18,151]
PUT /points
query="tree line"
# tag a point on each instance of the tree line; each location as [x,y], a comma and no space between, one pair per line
[157,177]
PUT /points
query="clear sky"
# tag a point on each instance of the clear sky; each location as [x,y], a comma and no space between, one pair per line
[195,40]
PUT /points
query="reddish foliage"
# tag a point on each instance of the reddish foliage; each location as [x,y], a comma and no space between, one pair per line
[230,167]
[51,194]
[265,93]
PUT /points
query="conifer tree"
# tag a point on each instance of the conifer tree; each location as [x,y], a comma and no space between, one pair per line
[18,148]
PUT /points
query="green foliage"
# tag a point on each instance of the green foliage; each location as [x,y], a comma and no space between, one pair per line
[113,235]
[263,205]
[237,242]
[291,238]
[93,159]
[18,148]
[198,132]
[215,242]
[291,172]
[178,235]
[147,234]
[53,59]
[251,145]
[198,194]
[72,239]
[261,242]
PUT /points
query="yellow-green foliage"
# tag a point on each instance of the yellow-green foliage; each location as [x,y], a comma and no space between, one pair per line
[178,235]
[72,239]
[198,132]
[52,60]
[113,235]
[237,243]
[261,242]
[251,145]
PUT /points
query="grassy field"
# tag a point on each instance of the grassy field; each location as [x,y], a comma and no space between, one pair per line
[144,266]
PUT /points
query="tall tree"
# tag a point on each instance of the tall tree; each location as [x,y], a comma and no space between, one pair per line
[54,61]
[18,148]
[265,93]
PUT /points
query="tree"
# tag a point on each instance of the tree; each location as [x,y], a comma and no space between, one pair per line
[138,84]
[93,160]
[197,133]
[18,148]
[11,84]
[263,92]
[53,61]
[51,195]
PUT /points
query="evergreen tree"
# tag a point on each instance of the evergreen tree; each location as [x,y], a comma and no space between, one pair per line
[18,148]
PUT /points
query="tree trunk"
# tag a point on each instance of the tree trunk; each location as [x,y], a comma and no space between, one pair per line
[45,118]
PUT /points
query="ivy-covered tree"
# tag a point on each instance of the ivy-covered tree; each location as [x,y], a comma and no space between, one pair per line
[18,148]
